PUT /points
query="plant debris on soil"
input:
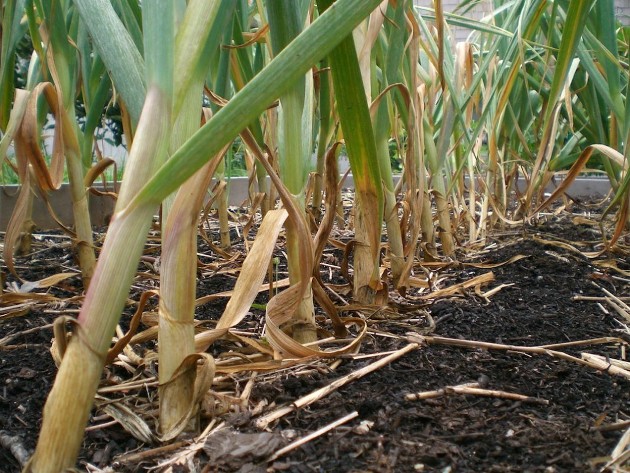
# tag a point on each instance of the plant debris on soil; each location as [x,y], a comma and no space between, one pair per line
[463,396]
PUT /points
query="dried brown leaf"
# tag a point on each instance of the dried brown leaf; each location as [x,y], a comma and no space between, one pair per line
[53,280]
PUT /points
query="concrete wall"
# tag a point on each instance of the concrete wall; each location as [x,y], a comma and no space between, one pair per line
[622,10]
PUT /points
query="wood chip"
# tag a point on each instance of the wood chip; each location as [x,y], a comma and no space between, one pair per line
[14,445]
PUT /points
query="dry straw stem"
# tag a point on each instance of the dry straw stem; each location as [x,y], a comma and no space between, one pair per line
[135,458]
[577,343]
[182,449]
[616,303]
[181,457]
[609,365]
[4,342]
[475,390]
[619,455]
[459,288]
[264,421]
[614,426]
[539,350]
[597,298]
[313,435]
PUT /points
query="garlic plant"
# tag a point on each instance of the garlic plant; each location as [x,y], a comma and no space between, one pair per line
[540,86]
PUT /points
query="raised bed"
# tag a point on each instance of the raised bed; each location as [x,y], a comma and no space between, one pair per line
[102,206]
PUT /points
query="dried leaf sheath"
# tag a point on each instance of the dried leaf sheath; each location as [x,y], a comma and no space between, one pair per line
[177,303]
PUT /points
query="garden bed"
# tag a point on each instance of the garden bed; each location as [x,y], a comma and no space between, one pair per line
[570,417]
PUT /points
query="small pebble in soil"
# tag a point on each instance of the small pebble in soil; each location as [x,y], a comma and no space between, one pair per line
[484,381]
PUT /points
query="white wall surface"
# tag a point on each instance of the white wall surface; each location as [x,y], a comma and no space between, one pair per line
[622,10]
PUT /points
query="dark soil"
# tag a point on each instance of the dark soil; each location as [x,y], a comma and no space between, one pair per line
[565,428]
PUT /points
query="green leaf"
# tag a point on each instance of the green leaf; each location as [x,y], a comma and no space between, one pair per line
[287,67]
[118,50]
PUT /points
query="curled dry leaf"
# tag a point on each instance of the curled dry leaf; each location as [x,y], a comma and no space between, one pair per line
[130,421]
[29,157]
[29,286]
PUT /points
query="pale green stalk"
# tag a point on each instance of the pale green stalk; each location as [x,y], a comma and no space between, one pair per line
[287,18]
[95,91]
[246,67]
[495,87]
[204,21]
[414,174]
[445,113]
[221,88]
[325,105]
[392,73]
[464,74]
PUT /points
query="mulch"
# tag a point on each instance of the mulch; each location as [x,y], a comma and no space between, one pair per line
[570,417]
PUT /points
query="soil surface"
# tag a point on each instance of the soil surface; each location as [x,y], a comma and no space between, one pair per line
[569,419]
